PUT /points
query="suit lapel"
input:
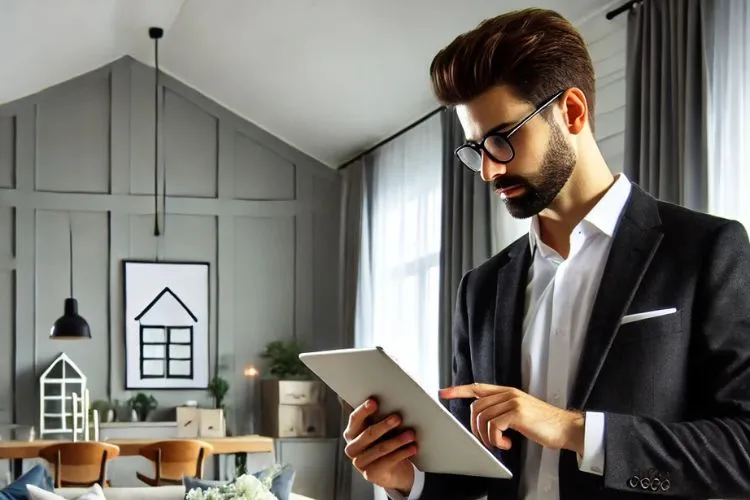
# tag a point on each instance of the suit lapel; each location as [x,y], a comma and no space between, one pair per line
[635,243]
[508,322]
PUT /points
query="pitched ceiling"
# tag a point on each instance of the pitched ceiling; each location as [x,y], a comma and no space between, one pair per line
[330,77]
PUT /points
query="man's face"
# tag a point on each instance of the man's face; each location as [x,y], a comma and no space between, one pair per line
[543,161]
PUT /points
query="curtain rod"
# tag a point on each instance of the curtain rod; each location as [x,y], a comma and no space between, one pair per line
[622,8]
[393,136]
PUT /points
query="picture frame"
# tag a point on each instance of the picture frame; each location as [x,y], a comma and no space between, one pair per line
[166,324]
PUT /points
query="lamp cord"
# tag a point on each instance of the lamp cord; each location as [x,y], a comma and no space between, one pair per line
[156,138]
[70,243]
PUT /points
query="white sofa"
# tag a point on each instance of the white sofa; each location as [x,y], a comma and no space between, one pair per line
[144,493]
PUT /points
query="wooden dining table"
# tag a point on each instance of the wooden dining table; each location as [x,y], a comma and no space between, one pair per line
[17,451]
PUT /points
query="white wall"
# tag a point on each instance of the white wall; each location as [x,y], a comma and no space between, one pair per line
[607,42]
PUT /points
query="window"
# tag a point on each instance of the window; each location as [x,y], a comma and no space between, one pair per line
[400,256]
[727,26]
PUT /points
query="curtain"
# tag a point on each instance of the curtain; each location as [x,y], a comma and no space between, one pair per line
[350,236]
[398,289]
[727,27]
[666,117]
[466,232]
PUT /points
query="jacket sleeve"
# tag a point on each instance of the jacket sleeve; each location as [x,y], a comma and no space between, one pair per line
[707,457]
[456,487]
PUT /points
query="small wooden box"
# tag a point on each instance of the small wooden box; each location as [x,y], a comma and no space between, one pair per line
[294,421]
[195,422]
[292,392]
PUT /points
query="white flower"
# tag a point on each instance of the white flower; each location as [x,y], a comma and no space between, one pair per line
[245,487]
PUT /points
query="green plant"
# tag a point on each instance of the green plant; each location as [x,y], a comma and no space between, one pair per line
[218,387]
[285,362]
[143,404]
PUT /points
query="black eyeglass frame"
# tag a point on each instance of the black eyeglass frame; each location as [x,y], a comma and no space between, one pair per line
[479,146]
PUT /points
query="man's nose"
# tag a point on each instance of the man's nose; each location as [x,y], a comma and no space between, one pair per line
[491,168]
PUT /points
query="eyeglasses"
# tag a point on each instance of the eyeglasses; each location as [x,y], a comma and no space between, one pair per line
[496,144]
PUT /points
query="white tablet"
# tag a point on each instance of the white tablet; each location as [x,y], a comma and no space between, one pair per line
[445,445]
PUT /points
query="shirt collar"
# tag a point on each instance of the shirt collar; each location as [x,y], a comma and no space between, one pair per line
[604,216]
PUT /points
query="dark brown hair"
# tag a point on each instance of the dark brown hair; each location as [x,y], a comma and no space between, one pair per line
[537,52]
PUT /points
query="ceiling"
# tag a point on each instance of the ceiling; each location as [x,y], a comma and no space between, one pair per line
[330,77]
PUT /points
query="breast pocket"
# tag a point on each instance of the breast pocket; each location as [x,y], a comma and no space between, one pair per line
[649,325]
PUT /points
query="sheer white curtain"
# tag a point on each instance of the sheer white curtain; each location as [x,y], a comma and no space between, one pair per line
[727,26]
[400,255]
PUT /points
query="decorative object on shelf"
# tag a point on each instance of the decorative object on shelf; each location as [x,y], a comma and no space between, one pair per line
[253,403]
[166,325]
[193,422]
[285,362]
[142,404]
[218,387]
[71,325]
[61,410]
[293,401]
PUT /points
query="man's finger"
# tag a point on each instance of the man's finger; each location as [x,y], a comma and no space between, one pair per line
[470,391]
[358,417]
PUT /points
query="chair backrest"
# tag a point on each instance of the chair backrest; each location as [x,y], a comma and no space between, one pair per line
[178,457]
[81,463]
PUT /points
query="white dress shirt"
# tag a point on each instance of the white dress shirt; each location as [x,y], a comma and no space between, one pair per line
[560,294]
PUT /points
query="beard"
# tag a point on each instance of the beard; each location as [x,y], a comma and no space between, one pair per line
[542,188]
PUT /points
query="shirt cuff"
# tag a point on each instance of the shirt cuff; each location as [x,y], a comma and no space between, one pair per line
[593,444]
[416,489]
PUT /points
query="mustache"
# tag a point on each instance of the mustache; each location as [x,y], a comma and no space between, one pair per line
[507,181]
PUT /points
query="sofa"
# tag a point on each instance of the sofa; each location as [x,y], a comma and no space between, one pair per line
[145,493]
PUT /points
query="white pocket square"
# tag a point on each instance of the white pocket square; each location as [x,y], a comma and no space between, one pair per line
[646,315]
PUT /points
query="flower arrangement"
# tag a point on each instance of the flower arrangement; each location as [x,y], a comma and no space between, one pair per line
[245,487]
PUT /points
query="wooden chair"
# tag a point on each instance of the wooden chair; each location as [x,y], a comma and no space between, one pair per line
[81,463]
[174,459]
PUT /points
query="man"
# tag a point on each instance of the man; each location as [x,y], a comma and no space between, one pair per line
[606,355]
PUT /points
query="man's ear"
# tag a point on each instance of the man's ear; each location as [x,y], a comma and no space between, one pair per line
[575,110]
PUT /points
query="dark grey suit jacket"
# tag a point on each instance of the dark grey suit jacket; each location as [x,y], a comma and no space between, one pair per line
[675,389]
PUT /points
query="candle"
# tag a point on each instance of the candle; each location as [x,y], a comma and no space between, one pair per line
[85,412]
[74,397]
[251,373]
[95,414]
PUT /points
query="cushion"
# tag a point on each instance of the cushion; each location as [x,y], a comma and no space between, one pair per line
[36,476]
[95,493]
[281,484]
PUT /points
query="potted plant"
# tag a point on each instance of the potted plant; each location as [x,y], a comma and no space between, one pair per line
[292,397]
[218,388]
[142,404]
[285,362]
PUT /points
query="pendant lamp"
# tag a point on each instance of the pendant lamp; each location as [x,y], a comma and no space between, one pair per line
[70,326]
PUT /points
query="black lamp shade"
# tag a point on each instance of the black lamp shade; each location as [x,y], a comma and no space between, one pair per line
[70,325]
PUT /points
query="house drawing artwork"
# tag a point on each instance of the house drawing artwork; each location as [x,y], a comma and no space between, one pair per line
[167,338]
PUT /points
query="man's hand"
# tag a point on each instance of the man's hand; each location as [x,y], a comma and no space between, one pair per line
[383,463]
[497,409]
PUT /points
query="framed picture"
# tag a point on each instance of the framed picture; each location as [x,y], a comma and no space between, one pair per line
[166,324]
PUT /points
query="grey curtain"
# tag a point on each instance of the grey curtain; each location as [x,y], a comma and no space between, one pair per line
[350,236]
[465,232]
[666,123]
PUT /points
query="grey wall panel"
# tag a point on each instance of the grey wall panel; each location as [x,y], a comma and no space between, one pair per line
[90,288]
[73,138]
[264,284]
[7,315]
[7,151]
[190,148]
[6,346]
[260,173]
[141,128]
[263,214]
